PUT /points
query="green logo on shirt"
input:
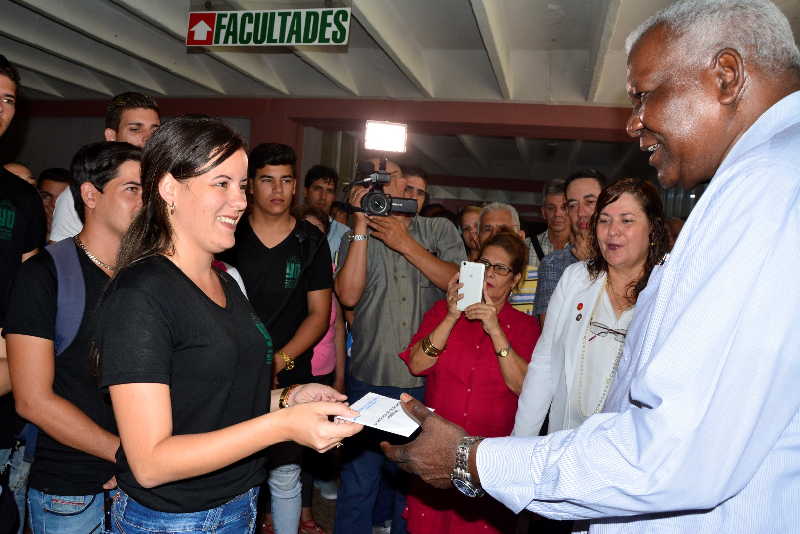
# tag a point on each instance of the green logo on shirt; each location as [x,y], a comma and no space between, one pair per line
[8,214]
[292,272]
[267,338]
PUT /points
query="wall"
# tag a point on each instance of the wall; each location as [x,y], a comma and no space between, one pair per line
[42,142]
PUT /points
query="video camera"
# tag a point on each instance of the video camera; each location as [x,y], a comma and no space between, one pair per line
[376,202]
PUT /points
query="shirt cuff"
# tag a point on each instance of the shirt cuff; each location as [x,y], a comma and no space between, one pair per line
[504,470]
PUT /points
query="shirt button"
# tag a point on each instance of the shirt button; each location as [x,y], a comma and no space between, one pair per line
[403,299]
[465,414]
[469,390]
[403,323]
[477,346]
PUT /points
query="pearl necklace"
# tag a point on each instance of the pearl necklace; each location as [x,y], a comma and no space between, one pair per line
[610,378]
[97,261]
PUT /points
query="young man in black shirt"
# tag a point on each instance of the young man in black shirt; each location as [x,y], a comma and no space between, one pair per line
[23,229]
[286,267]
[54,385]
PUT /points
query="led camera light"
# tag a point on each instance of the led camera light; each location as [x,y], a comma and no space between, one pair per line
[385,136]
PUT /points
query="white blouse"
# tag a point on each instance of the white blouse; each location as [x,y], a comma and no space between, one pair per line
[598,360]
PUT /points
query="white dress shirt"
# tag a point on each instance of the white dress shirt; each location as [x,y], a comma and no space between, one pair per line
[66,222]
[702,433]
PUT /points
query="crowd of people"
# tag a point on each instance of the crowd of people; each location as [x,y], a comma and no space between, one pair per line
[181,354]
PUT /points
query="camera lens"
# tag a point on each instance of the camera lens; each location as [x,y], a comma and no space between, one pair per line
[378,204]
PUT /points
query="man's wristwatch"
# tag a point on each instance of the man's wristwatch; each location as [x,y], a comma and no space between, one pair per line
[502,353]
[357,237]
[460,476]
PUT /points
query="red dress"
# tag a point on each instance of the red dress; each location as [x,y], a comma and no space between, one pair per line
[465,386]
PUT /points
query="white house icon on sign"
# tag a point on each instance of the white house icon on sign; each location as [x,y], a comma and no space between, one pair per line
[200,31]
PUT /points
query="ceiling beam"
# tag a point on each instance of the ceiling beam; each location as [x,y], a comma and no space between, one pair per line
[472,146]
[22,25]
[172,16]
[53,67]
[600,48]
[327,60]
[103,23]
[331,65]
[33,80]
[488,16]
[396,40]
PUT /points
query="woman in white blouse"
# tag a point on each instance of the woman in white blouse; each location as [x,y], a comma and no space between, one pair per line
[576,358]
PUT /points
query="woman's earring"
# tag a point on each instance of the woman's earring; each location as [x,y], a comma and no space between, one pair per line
[172,208]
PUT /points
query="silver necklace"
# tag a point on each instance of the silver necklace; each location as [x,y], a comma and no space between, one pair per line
[97,261]
[610,378]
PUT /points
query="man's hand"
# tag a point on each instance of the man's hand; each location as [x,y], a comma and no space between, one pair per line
[432,455]
[354,199]
[392,230]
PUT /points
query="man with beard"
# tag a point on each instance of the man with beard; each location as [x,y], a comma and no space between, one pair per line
[701,428]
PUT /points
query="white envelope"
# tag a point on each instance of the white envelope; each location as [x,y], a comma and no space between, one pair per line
[383,413]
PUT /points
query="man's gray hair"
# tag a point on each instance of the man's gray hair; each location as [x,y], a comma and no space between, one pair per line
[756,28]
[556,186]
[500,206]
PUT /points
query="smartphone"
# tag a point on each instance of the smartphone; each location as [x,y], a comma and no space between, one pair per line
[471,275]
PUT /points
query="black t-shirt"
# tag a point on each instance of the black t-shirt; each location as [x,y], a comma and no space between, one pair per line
[156,326]
[23,227]
[278,279]
[59,469]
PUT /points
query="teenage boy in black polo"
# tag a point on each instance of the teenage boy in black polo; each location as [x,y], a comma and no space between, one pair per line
[54,386]
[23,230]
[286,267]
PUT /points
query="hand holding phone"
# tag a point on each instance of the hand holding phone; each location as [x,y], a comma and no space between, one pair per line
[471,276]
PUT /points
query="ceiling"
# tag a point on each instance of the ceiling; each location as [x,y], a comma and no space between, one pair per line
[554,52]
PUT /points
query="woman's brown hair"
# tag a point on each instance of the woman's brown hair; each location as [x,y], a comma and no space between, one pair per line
[514,246]
[649,199]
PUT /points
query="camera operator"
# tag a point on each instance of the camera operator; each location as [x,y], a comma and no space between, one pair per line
[391,277]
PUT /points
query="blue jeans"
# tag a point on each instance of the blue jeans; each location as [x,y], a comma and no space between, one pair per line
[18,479]
[237,516]
[65,514]
[366,471]
[285,489]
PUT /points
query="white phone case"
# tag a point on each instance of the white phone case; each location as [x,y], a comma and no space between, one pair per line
[471,276]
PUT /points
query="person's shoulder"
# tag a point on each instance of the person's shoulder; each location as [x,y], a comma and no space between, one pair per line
[577,271]
[307,229]
[152,274]
[38,266]
[555,257]
[338,228]
[15,188]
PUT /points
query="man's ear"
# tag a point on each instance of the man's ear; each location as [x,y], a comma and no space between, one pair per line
[89,195]
[730,75]
[521,234]
[167,188]
[110,135]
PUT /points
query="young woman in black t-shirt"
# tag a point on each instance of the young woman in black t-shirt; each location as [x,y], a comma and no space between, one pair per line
[186,361]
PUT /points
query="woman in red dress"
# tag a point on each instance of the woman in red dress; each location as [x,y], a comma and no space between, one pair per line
[475,363]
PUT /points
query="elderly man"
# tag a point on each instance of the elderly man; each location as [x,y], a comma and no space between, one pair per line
[702,424]
[496,216]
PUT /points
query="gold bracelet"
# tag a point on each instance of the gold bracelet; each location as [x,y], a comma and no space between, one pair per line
[429,349]
[288,362]
[283,401]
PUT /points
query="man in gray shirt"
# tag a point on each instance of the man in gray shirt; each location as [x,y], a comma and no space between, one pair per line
[391,277]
